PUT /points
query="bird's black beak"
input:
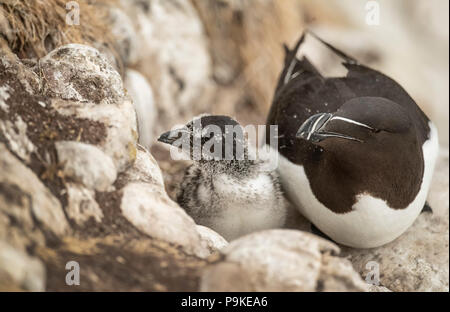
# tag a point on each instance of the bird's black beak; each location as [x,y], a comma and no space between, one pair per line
[170,137]
[313,129]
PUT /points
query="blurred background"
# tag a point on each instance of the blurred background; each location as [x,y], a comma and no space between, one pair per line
[179,58]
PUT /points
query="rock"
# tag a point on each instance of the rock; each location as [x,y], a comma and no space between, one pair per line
[81,204]
[145,169]
[337,274]
[16,136]
[124,32]
[174,57]
[141,93]
[4,95]
[86,164]
[83,84]
[120,262]
[418,260]
[145,204]
[374,288]
[173,170]
[150,210]
[27,200]
[119,123]
[281,260]
[211,239]
[86,155]
[80,73]
[16,267]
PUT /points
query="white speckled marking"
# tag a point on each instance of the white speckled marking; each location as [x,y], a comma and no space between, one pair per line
[250,206]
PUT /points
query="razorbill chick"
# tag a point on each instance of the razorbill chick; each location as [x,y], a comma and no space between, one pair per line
[356,154]
[225,189]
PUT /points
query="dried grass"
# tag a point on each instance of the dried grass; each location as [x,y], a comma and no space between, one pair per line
[32,28]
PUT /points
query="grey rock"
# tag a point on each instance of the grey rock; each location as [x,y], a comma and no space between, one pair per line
[16,267]
[16,136]
[81,204]
[147,206]
[125,35]
[32,198]
[145,169]
[80,73]
[83,84]
[150,210]
[86,164]
[141,92]
[211,239]
[281,260]
[173,56]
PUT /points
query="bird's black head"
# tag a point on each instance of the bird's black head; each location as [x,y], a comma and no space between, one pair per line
[209,137]
[359,122]
[369,145]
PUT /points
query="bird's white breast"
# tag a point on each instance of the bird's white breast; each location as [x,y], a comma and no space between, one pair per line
[245,206]
[372,222]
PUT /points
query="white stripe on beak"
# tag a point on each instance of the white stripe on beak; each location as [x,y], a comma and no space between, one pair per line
[351,121]
[313,129]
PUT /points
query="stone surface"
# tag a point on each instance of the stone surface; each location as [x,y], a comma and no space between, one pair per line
[173,57]
[31,201]
[86,164]
[281,260]
[145,169]
[151,211]
[15,134]
[18,268]
[122,263]
[144,104]
[124,32]
[92,89]
[80,73]
[81,204]
[211,239]
[145,204]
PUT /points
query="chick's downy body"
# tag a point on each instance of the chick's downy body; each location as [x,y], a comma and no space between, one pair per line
[232,200]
